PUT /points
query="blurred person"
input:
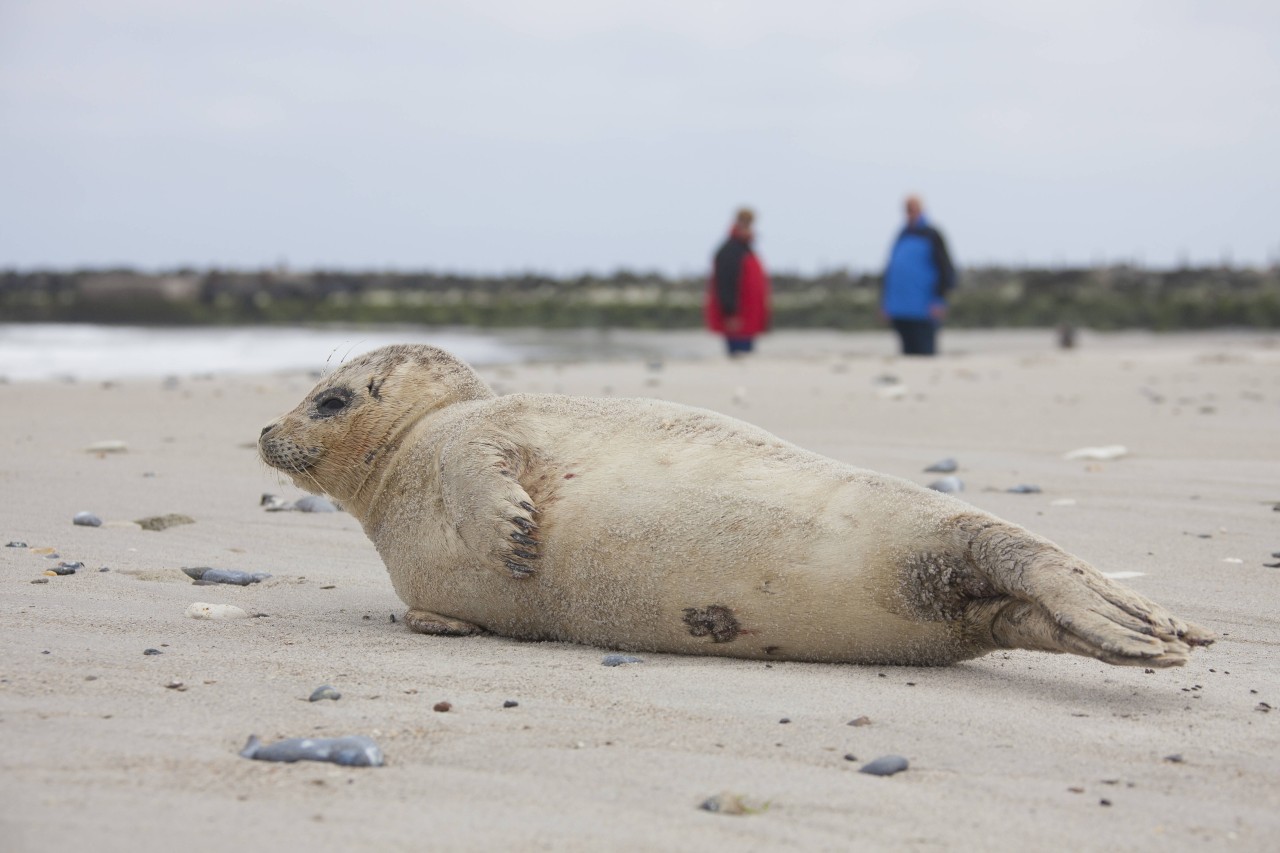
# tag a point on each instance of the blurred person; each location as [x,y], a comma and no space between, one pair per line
[738,293]
[916,281]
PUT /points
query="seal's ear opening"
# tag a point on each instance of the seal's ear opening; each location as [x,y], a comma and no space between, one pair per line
[375,387]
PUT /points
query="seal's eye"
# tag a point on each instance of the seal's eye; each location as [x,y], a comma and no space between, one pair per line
[332,405]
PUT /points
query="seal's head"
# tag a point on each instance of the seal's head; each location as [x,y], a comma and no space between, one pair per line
[334,439]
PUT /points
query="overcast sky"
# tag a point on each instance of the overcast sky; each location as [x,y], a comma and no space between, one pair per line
[586,135]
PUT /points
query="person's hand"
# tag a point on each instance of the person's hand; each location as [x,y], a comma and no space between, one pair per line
[732,324]
[938,312]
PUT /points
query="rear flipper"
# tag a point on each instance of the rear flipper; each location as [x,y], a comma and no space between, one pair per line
[1054,602]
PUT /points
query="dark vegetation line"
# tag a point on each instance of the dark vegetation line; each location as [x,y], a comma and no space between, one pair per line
[1101,298]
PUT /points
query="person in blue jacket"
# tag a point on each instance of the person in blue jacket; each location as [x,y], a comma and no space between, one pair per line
[916,281]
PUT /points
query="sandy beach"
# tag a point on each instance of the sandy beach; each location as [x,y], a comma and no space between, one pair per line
[1010,751]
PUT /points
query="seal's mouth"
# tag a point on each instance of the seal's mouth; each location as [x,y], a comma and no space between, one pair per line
[286,455]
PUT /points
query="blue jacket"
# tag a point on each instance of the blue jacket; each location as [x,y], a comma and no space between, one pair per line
[919,273]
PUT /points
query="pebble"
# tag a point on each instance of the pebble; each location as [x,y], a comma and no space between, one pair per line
[314,503]
[730,804]
[943,466]
[1176,758]
[203,610]
[86,519]
[785,720]
[619,660]
[112,446]
[324,691]
[208,575]
[41,580]
[351,751]
[65,569]
[860,721]
[1023,489]
[175,684]
[885,765]
[1100,454]
[16,544]
[152,652]
[442,707]
[163,522]
[948,485]
[511,703]
[849,756]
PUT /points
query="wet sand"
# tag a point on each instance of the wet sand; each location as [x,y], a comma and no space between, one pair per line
[1011,751]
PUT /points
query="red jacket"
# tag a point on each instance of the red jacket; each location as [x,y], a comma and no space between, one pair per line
[751,294]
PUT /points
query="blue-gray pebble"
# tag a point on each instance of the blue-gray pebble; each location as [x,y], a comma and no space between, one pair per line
[86,519]
[313,503]
[619,660]
[351,751]
[1024,489]
[206,574]
[948,485]
[885,765]
[324,691]
[943,466]
[16,544]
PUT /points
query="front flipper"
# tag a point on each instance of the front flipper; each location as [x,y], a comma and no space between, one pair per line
[425,622]
[486,504]
[1056,602]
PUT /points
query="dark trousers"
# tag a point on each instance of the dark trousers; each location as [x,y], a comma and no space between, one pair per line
[919,337]
[738,346]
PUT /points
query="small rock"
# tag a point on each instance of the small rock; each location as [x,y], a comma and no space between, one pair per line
[1100,454]
[208,575]
[1176,758]
[442,707]
[943,466]
[152,652]
[86,519]
[1023,489]
[1263,707]
[860,721]
[163,522]
[885,765]
[41,580]
[785,720]
[324,691]
[352,751]
[104,569]
[619,660]
[313,503]
[1104,802]
[849,756]
[948,485]
[16,544]
[511,703]
[111,446]
[203,610]
[65,569]
[175,684]
[730,804]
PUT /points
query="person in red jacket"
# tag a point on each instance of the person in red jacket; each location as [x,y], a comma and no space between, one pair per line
[738,292]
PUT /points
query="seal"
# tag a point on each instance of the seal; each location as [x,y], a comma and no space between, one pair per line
[643,525]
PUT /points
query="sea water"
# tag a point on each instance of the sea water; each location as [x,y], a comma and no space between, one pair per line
[49,351]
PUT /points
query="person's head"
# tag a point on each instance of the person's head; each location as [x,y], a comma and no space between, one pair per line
[743,222]
[914,207]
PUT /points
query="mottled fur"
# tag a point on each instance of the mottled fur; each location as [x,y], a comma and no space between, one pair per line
[645,525]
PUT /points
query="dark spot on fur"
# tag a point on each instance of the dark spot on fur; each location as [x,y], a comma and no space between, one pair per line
[716,621]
